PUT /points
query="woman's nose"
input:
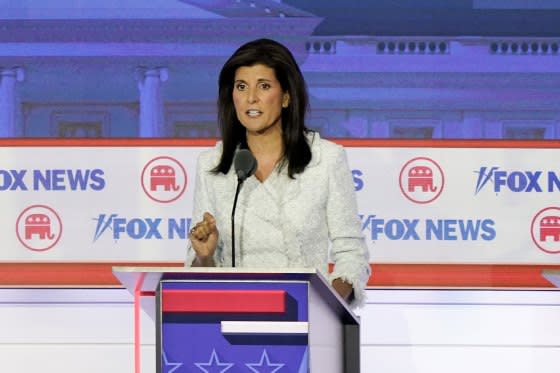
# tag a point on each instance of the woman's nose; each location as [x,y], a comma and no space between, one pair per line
[252,96]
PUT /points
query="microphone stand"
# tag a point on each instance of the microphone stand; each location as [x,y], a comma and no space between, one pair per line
[245,165]
[239,182]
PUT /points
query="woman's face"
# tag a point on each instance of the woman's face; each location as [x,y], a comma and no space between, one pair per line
[258,98]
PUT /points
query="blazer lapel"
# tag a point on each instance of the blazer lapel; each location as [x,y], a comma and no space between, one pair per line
[293,186]
[259,200]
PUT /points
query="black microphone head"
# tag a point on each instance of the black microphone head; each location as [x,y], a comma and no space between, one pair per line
[245,164]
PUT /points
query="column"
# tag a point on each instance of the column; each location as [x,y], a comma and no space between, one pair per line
[9,102]
[151,102]
[473,125]
[357,123]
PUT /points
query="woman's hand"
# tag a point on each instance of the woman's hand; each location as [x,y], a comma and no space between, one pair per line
[343,288]
[204,238]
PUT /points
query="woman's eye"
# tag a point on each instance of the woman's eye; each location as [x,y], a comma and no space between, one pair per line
[265,86]
[240,86]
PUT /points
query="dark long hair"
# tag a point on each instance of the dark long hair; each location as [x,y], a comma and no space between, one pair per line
[297,152]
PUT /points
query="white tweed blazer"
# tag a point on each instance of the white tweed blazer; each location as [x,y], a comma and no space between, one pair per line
[284,222]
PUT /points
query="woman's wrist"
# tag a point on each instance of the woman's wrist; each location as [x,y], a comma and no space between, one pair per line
[343,288]
[206,261]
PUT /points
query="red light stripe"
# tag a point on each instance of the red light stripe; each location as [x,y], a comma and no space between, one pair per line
[460,275]
[223,301]
[137,346]
[18,274]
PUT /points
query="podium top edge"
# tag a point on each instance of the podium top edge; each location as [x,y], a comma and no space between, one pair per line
[229,270]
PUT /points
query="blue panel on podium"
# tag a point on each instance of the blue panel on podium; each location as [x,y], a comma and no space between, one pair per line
[234,326]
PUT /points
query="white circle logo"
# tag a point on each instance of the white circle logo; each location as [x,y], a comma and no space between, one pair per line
[545,230]
[164,179]
[38,228]
[421,180]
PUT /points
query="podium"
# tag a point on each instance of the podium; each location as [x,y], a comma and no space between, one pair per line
[552,275]
[243,320]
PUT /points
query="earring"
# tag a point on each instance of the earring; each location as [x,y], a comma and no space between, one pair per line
[285,100]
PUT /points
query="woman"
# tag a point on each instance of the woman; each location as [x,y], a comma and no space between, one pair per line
[301,198]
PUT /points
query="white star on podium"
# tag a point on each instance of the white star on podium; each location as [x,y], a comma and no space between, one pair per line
[168,363]
[214,362]
[264,357]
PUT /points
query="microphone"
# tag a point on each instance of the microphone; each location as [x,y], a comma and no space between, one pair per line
[245,165]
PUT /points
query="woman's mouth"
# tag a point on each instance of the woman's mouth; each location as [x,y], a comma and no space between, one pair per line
[253,113]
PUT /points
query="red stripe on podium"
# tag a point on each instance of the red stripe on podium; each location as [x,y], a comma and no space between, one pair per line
[223,301]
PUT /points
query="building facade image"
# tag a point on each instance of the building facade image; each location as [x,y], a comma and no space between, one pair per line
[149,69]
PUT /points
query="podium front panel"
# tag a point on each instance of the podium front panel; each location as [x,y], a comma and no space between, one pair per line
[233,326]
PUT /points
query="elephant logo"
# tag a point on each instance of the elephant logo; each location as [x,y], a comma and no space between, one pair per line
[545,230]
[39,224]
[421,180]
[38,228]
[163,175]
[550,227]
[421,176]
[164,179]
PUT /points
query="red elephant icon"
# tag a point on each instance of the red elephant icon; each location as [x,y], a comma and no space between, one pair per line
[38,224]
[421,176]
[163,175]
[550,226]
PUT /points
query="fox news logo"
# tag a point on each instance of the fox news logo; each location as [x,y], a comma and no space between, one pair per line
[414,229]
[52,179]
[141,228]
[517,181]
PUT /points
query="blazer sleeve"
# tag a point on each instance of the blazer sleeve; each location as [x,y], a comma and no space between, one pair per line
[202,202]
[349,251]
